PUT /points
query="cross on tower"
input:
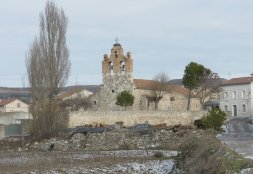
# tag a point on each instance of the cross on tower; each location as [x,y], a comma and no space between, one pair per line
[116,40]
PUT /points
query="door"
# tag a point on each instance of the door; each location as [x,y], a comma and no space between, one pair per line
[234,110]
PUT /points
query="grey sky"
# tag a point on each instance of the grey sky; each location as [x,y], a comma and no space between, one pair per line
[163,36]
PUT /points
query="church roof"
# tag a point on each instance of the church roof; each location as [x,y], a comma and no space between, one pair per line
[117,44]
[153,85]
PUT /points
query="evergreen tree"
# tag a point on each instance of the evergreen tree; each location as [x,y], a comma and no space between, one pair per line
[124,99]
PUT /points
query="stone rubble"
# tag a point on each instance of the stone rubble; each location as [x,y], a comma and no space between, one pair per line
[121,139]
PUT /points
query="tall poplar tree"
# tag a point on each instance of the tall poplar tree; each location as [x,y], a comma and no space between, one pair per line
[48,68]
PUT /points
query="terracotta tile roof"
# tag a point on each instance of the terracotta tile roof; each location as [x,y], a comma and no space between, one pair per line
[4,102]
[238,81]
[151,85]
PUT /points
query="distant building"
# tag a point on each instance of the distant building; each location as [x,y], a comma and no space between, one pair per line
[117,71]
[236,96]
[13,105]
[74,94]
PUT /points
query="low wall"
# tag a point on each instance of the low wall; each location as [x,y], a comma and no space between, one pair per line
[130,118]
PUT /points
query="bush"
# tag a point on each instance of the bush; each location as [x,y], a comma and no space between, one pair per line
[204,153]
[124,99]
[214,119]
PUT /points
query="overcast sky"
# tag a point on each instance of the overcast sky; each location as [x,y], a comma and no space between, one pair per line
[162,35]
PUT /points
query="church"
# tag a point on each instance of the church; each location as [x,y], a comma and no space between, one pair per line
[117,72]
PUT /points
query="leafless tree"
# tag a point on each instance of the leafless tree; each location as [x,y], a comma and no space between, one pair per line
[159,86]
[48,68]
[76,104]
[210,85]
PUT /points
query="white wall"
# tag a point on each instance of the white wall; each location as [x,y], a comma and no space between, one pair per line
[16,106]
[13,117]
[239,101]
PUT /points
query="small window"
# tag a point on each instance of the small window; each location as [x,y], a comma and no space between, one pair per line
[18,104]
[95,102]
[116,54]
[243,108]
[243,94]
[234,94]
[172,98]
[226,108]
[112,91]
[226,95]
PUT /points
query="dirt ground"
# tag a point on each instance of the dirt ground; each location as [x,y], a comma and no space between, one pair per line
[21,155]
[123,161]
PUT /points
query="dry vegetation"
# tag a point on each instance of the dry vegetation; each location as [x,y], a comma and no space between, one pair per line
[205,154]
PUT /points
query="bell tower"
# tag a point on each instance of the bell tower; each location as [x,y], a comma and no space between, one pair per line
[117,63]
[117,70]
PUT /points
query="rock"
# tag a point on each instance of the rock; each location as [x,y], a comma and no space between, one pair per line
[114,139]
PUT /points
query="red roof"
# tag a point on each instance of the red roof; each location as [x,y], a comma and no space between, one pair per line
[4,102]
[238,81]
[151,85]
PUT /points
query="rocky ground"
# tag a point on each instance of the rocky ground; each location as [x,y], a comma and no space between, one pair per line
[120,139]
[121,151]
[112,151]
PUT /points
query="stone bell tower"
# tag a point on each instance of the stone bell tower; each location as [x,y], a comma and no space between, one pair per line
[117,70]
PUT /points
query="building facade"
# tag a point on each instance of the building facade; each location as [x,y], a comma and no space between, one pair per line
[117,72]
[13,105]
[236,96]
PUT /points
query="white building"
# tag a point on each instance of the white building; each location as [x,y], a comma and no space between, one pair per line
[74,94]
[13,105]
[236,96]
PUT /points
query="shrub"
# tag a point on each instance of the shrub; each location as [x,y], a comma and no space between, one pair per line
[214,119]
[124,99]
[204,153]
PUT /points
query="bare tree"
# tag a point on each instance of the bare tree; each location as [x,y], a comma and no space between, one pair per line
[159,86]
[77,103]
[48,68]
[210,84]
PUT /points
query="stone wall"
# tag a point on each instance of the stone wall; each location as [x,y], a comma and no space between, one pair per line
[130,118]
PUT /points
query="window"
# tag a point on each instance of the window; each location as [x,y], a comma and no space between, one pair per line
[111,68]
[226,95]
[122,67]
[243,108]
[112,91]
[226,108]
[18,104]
[95,102]
[234,94]
[243,94]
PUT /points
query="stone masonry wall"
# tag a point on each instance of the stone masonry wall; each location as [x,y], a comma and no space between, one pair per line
[112,86]
[131,118]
